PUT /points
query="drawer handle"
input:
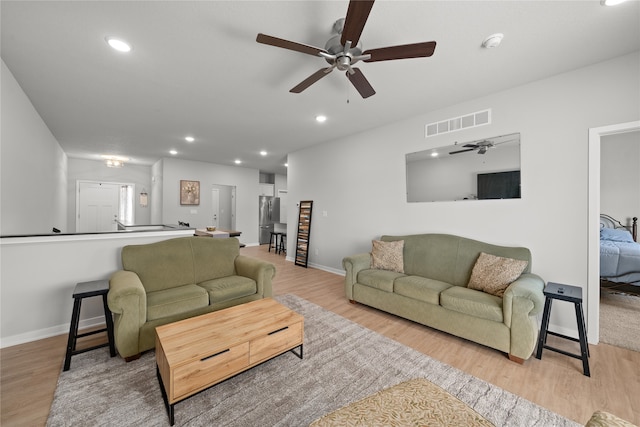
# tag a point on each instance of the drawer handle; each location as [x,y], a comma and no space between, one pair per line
[279,330]
[214,355]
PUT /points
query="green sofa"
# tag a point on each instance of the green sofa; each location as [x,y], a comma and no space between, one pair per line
[175,279]
[433,291]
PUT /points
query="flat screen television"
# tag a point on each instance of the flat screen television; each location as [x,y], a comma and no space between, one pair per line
[499,185]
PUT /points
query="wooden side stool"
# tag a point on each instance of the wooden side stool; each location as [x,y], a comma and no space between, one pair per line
[81,291]
[571,294]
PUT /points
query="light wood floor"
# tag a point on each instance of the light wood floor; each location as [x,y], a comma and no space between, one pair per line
[30,371]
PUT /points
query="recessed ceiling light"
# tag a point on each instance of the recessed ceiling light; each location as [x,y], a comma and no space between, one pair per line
[173,152]
[434,154]
[321,119]
[263,153]
[118,44]
[189,138]
[493,40]
[286,165]
[611,2]
[238,161]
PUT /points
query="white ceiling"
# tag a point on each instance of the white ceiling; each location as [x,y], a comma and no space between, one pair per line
[196,68]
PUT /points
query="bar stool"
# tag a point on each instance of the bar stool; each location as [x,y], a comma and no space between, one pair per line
[273,241]
[81,291]
[571,294]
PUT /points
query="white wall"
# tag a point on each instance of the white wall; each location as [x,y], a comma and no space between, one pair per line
[363,192]
[95,170]
[244,179]
[620,176]
[33,168]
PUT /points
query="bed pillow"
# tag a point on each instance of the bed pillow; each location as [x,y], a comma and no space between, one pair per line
[387,255]
[616,235]
[493,274]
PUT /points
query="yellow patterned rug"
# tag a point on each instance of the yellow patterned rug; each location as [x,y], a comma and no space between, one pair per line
[416,402]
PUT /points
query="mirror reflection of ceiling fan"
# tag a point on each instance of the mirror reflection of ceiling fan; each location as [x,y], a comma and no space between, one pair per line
[482,146]
[344,49]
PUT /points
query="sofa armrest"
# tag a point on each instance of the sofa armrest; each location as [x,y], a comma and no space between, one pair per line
[261,271]
[353,265]
[127,300]
[522,301]
[528,286]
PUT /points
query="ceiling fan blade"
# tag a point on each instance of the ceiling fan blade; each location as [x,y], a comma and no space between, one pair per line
[461,151]
[361,83]
[415,50]
[311,79]
[357,15]
[287,44]
[471,145]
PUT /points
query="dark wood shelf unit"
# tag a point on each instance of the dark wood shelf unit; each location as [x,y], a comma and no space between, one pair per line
[304,231]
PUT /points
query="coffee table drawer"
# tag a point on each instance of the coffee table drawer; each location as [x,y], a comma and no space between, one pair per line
[276,342]
[200,374]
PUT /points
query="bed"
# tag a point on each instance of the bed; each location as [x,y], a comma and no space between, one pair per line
[619,255]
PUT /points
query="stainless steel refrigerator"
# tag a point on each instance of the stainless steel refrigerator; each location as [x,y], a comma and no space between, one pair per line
[269,214]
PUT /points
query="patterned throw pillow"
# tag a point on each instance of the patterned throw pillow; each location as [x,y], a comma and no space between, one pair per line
[387,255]
[493,274]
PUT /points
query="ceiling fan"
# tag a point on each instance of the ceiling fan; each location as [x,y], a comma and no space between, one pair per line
[481,146]
[344,49]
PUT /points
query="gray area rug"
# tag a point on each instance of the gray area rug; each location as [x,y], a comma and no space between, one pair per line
[343,362]
[620,319]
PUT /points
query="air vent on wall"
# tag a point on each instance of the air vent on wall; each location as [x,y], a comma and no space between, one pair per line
[479,118]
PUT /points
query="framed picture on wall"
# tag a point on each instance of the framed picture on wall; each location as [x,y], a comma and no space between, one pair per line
[189,192]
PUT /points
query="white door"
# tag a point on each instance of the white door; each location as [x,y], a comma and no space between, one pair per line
[215,210]
[97,207]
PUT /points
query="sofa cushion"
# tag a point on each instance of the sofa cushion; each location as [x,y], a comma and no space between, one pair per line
[214,258]
[471,302]
[380,279]
[228,288]
[493,274]
[161,265]
[420,288]
[387,255]
[176,300]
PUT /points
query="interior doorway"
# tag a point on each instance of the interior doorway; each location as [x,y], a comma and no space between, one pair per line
[593,227]
[223,206]
[99,205]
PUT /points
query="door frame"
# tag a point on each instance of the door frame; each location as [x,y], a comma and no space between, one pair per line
[593,221]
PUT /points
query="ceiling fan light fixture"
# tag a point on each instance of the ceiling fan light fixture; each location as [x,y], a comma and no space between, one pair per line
[114,161]
[492,41]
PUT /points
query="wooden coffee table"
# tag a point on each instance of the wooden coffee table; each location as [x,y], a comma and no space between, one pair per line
[197,353]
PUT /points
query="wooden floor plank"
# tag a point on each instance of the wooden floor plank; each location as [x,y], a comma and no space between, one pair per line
[29,372]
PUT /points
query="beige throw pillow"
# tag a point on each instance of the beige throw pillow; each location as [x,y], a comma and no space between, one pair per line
[387,255]
[493,274]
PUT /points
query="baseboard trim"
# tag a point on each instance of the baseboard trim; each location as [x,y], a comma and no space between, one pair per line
[49,332]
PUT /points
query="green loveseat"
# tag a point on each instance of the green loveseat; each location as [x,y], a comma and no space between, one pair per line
[433,291]
[175,279]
